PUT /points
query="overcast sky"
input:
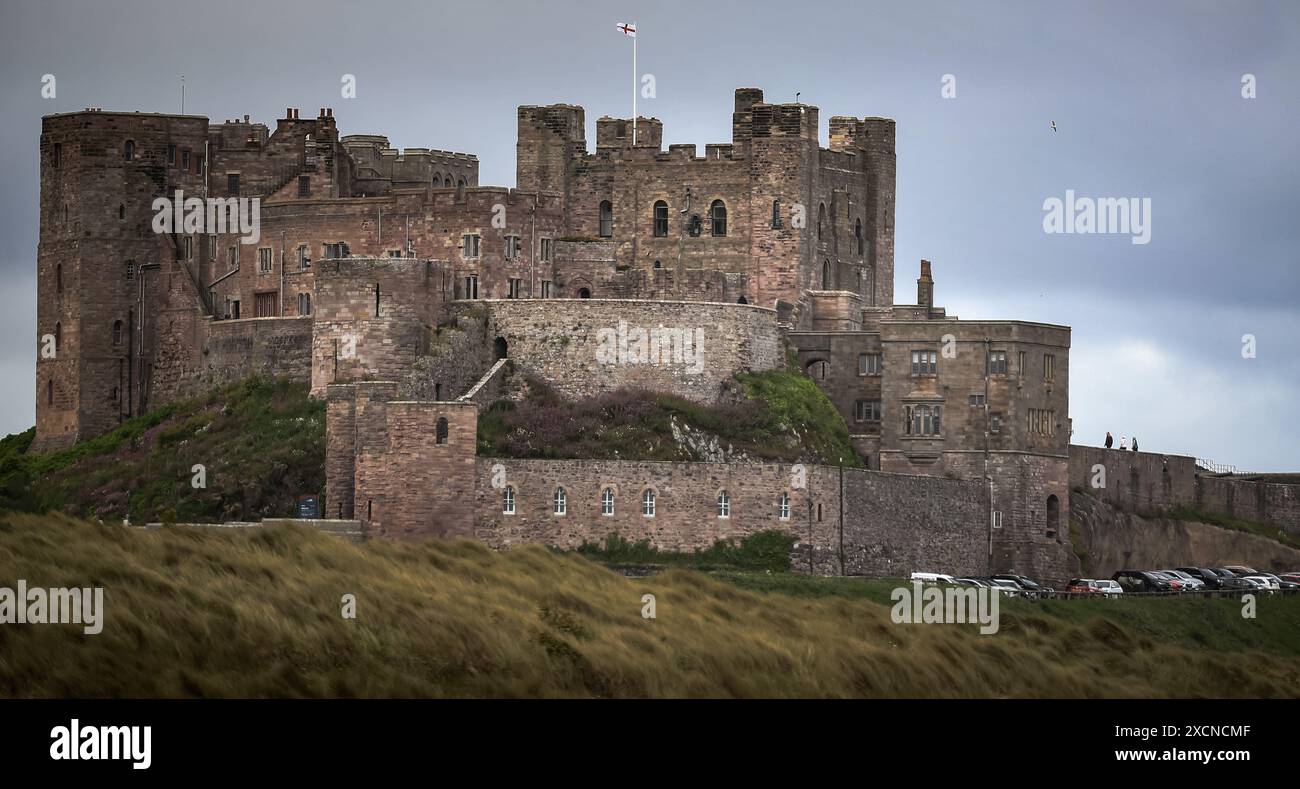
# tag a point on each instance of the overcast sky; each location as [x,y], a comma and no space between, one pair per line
[1146,97]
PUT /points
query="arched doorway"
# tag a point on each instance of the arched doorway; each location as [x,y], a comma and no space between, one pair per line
[1053,515]
[499,347]
[817,369]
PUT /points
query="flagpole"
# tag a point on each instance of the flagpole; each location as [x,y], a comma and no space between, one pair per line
[634,84]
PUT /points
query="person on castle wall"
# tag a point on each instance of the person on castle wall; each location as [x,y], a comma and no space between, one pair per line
[1123,443]
[1135,443]
[1110,440]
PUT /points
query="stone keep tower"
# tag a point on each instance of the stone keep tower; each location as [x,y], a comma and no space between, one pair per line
[101,270]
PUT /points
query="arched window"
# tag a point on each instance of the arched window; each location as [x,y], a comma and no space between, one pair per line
[58,337]
[658,264]
[857,235]
[718,214]
[128,150]
[783,506]
[742,300]
[117,332]
[606,219]
[441,433]
[437,181]
[561,501]
[648,503]
[584,293]
[826,274]
[821,219]
[817,369]
[1053,515]
[121,211]
[661,219]
[776,214]
[607,501]
[461,182]
[508,501]
[724,504]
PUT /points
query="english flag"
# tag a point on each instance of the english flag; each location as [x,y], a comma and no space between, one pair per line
[629,29]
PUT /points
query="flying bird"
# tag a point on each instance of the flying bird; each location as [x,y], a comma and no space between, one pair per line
[1053,125]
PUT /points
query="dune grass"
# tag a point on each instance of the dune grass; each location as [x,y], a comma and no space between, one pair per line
[200,612]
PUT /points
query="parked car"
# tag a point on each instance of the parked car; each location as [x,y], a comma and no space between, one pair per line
[970,582]
[1210,578]
[1190,582]
[1278,582]
[1108,587]
[1175,583]
[1009,588]
[932,578]
[1239,570]
[1031,587]
[1233,582]
[1268,583]
[1141,581]
[1081,586]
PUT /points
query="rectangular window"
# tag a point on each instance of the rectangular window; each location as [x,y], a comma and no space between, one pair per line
[264,260]
[198,164]
[997,362]
[304,186]
[232,184]
[58,154]
[304,258]
[512,247]
[1020,364]
[866,411]
[471,286]
[232,258]
[547,246]
[977,400]
[868,364]
[171,154]
[1049,366]
[546,288]
[469,245]
[514,286]
[1042,422]
[995,422]
[212,247]
[187,248]
[185,160]
[925,362]
[264,306]
[337,250]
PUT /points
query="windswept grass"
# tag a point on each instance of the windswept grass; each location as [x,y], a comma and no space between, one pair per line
[209,613]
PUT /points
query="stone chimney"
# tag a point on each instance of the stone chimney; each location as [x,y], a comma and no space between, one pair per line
[925,287]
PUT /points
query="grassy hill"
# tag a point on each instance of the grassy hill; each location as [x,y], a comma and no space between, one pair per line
[776,415]
[193,612]
[261,443]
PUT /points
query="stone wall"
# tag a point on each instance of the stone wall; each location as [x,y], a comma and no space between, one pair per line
[892,524]
[1150,483]
[586,346]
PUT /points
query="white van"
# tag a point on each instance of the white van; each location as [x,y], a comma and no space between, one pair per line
[932,578]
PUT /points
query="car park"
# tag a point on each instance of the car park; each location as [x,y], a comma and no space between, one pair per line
[1190,582]
[1210,578]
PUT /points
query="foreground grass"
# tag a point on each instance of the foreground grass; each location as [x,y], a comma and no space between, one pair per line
[208,613]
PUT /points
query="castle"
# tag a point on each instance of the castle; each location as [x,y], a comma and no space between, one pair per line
[406,294]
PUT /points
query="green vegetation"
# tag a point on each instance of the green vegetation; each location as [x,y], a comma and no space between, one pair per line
[1235,524]
[767,551]
[776,415]
[204,612]
[261,443]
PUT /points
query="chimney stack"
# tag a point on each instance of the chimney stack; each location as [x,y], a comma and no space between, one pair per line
[925,287]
